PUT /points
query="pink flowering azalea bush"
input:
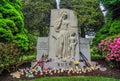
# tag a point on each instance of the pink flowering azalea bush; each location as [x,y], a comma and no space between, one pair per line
[111,49]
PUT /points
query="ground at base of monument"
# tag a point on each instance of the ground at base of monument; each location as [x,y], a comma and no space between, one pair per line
[62,69]
[110,72]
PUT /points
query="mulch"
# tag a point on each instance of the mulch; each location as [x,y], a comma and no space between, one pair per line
[111,72]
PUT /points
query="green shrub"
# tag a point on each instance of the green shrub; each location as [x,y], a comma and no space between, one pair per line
[109,30]
[21,40]
[10,55]
[14,40]
[12,23]
[115,27]
[95,52]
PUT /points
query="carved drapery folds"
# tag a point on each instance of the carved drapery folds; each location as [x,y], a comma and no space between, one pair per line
[66,38]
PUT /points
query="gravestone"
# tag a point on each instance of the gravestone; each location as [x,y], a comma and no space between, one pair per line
[63,46]
[42,47]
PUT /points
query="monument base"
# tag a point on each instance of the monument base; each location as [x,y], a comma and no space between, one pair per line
[59,63]
[65,64]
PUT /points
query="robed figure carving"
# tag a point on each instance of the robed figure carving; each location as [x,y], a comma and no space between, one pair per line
[61,27]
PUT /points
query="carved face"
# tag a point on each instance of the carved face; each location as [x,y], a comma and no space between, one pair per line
[64,15]
[73,34]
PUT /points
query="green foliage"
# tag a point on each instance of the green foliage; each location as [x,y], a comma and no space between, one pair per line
[96,53]
[110,3]
[1,16]
[28,57]
[10,55]
[5,29]
[12,23]
[113,8]
[36,13]
[109,30]
[14,40]
[115,27]
[37,16]
[21,40]
[112,27]
[82,78]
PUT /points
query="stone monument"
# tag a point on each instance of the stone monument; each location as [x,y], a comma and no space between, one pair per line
[63,46]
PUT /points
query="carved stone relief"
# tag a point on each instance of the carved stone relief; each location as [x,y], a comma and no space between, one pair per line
[63,41]
[66,41]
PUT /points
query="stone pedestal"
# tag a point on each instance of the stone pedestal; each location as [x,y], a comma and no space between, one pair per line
[60,64]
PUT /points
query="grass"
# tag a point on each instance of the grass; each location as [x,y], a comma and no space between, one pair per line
[28,57]
[79,78]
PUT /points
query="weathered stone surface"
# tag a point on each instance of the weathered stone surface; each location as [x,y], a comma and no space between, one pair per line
[42,47]
[59,64]
[85,47]
[63,39]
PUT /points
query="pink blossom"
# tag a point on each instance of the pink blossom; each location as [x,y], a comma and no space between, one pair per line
[115,40]
[111,47]
[118,42]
